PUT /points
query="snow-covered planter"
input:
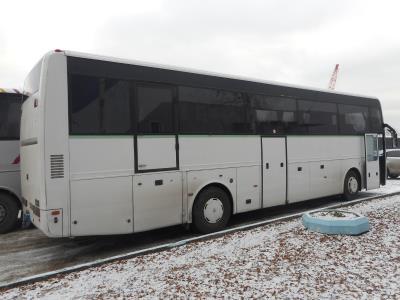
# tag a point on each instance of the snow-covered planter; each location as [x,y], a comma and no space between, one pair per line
[336,222]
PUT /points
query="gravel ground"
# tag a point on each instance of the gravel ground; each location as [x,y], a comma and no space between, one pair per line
[281,260]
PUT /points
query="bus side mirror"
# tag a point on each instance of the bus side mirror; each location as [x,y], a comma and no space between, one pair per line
[393,134]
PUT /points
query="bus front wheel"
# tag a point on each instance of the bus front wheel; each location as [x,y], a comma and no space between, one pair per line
[8,213]
[211,210]
[351,186]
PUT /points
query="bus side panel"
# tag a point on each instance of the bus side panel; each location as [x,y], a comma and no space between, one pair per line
[31,181]
[298,181]
[325,178]
[318,164]
[9,167]
[56,152]
[101,184]
[197,180]
[355,163]
[207,152]
[101,206]
[249,183]
[157,200]
[199,152]
[32,173]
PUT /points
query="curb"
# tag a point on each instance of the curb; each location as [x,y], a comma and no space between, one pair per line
[168,246]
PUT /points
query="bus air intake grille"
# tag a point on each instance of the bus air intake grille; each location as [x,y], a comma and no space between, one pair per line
[57,166]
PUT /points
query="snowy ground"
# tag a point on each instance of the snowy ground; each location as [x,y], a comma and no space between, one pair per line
[280,260]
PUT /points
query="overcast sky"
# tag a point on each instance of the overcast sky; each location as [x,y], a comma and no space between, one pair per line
[296,42]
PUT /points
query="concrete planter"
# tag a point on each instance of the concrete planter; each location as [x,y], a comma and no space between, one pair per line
[336,222]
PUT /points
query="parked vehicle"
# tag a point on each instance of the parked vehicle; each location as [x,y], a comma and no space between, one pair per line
[111,146]
[11,206]
[393,163]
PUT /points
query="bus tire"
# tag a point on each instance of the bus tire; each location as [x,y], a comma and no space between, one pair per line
[8,213]
[211,210]
[351,186]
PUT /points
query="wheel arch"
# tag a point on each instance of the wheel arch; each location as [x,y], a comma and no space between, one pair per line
[7,191]
[358,174]
[207,185]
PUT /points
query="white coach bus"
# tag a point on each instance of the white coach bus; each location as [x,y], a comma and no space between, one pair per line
[111,146]
[11,207]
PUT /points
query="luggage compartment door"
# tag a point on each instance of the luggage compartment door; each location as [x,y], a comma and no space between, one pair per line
[157,200]
[274,171]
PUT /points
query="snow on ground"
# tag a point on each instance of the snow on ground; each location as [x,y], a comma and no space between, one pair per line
[334,215]
[392,186]
[281,260]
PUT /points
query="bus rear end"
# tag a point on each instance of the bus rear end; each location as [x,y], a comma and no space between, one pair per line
[32,187]
[44,145]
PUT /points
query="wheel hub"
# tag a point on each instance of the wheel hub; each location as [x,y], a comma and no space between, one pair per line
[213,210]
[3,213]
[353,185]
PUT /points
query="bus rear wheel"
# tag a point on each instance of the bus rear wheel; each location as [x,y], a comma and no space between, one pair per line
[8,213]
[211,210]
[351,186]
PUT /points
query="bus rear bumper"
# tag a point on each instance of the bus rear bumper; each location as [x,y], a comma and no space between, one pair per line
[49,221]
[25,215]
[26,219]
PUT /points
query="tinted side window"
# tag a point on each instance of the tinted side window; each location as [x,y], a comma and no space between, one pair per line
[375,120]
[273,114]
[318,117]
[116,106]
[10,115]
[353,119]
[155,109]
[212,111]
[98,105]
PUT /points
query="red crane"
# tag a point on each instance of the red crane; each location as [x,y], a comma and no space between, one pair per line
[332,82]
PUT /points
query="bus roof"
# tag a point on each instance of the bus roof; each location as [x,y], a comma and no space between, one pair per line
[201,72]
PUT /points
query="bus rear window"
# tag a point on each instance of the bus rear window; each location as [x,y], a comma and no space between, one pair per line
[10,114]
[32,81]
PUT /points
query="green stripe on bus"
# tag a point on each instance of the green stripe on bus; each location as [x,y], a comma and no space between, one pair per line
[208,135]
[94,136]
